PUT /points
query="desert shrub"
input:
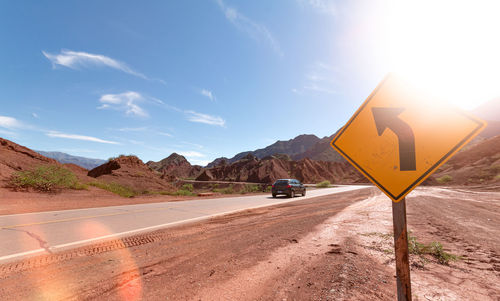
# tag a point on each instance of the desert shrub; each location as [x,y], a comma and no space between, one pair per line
[434,249]
[323,184]
[115,188]
[268,188]
[227,190]
[46,178]
[250,188]
[497,177]
[188,187]
[444,179]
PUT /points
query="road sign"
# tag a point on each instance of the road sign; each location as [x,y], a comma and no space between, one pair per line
[400,135]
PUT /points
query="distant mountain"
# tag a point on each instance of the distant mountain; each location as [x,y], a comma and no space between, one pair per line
[87,163]
[321,151]
[290,147]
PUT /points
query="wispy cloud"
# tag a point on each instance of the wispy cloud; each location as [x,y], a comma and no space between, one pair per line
[54,134]
[328,7]
[192,154]
[253,29]
[145,129]
[126,101]
[320,78]
[35,115]
[208,94]
[79,59]
[10,123]
[204,118]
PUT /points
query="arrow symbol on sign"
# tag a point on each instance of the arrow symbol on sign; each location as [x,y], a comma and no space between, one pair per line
[388,118]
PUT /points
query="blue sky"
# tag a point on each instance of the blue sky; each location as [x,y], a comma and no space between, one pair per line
[201,78]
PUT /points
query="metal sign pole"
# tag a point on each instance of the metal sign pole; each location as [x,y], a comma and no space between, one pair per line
[401,250]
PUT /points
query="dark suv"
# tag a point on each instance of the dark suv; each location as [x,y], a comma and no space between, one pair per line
[290,187]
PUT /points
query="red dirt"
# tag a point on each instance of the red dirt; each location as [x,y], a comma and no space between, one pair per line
[15,157]
[335,247]
[130,171]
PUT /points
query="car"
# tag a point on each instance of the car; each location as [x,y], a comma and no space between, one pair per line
[289,187]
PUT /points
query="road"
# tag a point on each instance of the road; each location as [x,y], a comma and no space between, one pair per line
[29,234]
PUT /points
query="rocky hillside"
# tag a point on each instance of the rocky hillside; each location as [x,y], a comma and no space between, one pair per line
[130,171]
[270,168]
[15,157]
[87,163]
[479,164]
[175,166]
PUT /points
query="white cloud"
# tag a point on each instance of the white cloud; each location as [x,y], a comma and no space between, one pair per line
[79,59]
[322,6]
[204,118]
[126,101]
[35,115]
[10,122]
[54,134]
[190,154]
[255,30]
[208,94]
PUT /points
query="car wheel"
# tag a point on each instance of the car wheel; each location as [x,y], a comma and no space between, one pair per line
[292,194]
[304,193]
[274,195]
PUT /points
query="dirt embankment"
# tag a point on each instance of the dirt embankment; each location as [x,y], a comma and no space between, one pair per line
[478,164]
[131,172]
[336,247]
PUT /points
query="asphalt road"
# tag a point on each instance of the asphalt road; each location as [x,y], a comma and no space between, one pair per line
[31,234]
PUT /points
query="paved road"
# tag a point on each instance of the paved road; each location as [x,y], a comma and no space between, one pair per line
[31,234]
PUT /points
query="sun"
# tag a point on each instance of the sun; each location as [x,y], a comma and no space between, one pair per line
[451,48]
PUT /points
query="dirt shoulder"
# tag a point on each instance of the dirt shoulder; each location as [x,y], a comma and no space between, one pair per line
[14,202]
[335,247]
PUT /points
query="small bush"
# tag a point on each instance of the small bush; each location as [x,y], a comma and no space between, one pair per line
[251,188]
[444,179]
[227,190]
[46,178]
[116,188]
[188,187]
[323,184]
[497,177]
[434,248]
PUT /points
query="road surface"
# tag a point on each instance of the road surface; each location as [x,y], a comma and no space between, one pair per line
[31,234]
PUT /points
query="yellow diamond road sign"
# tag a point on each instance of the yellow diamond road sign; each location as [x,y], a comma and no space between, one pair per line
[399,136]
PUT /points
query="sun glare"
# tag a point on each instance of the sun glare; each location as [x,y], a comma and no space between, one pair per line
[451,48]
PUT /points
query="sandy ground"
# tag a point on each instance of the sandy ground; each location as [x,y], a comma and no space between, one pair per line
[336,247]
[14,202]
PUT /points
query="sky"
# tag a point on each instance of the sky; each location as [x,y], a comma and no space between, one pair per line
[214,78]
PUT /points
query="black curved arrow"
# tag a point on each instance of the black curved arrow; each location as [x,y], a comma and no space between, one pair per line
[388,118]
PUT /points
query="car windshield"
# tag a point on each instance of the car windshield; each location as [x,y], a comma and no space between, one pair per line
[280,182]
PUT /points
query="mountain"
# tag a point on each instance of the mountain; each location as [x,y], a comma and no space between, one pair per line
[321,151]
[290,147]
[87,163]
[175,166]
[270,168]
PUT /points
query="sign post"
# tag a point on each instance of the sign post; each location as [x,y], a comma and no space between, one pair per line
[397,138]
[401,250]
